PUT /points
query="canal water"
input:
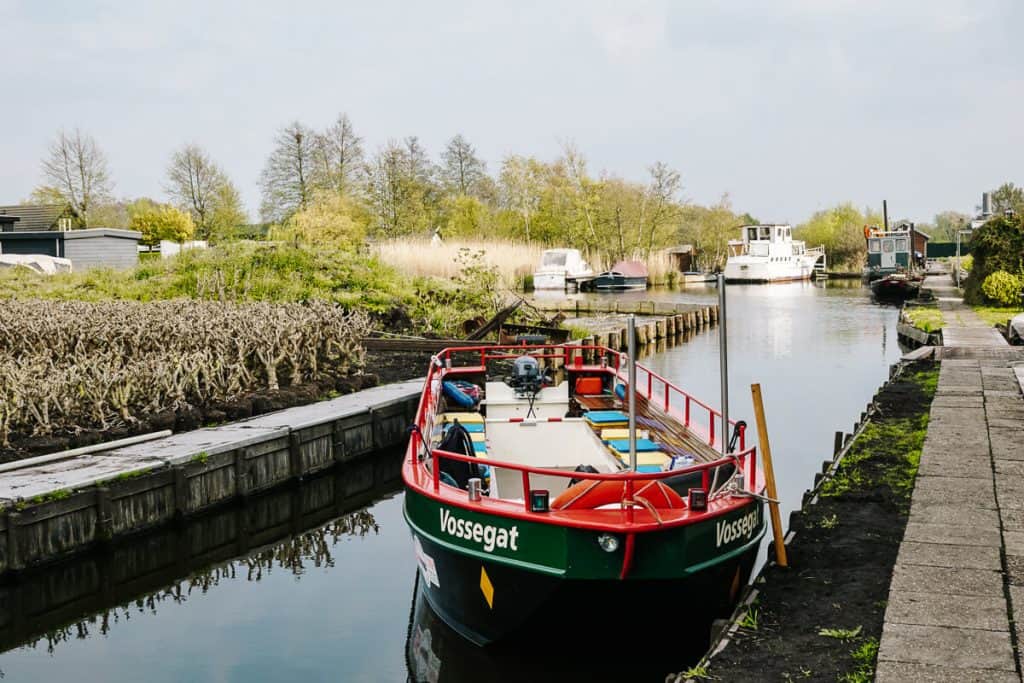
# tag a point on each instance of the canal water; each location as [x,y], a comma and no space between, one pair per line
[318,583]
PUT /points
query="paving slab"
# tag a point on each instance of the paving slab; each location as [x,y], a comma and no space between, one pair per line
[929,513]
[904,672]
[961,467]
[1014,468]
[1007,443]
[964,492]
[952,401]
[950,534]
[935,608]
[948,580]
[1013,542]
[1012,518]
[949,555]
[945,647]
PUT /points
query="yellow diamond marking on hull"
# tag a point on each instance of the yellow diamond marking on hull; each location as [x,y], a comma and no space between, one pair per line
[486,588]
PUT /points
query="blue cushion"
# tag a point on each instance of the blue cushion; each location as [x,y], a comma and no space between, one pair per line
[648,468]
[471,427]
[606,416]
[642,445]
[479,446]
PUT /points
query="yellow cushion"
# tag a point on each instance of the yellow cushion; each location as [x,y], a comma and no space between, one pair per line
[649,458]
[478,436]
[462,417]
[617,433]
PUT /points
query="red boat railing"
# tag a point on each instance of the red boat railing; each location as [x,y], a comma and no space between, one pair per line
[655,388]
[746,461]
[652,386]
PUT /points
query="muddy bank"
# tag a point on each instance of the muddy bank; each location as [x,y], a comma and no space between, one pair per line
[821,618]
[397,366]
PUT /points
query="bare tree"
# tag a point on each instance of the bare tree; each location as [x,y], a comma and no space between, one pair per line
[339,155]
[463,171]
[521,186]
[77,169]
[288,179]
[402,189]
[195,183]
[660,206]
[583,186]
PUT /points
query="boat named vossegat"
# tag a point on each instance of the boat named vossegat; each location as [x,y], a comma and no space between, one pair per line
[528,513]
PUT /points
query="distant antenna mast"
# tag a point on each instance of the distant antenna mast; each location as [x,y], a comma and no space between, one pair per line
[885,215]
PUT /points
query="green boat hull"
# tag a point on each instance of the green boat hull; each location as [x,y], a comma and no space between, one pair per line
[494,578]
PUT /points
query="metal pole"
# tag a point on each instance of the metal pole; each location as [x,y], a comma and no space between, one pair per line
[885,215]
[723,359]
[957,265]
[631,352]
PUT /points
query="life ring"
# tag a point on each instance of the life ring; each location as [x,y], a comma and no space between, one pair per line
[591,494]
[867,232]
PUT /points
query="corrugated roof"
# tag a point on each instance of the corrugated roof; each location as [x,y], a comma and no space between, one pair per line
[35,217]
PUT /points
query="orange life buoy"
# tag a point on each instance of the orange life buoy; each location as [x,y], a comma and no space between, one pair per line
[587,495]
[867,232]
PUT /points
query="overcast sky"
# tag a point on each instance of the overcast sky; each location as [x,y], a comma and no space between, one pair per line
[789,105]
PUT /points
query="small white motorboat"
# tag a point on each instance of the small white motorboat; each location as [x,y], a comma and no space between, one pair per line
[561,268]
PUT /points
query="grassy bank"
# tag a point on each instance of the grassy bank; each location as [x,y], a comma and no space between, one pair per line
[996,314]
[821,618]
[925,317]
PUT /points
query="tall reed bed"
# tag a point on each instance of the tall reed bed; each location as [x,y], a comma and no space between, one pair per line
[421,258]
[67,366]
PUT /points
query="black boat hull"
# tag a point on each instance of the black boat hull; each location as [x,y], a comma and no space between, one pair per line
[528,603]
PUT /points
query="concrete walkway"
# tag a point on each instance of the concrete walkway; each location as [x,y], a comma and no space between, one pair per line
[956,601]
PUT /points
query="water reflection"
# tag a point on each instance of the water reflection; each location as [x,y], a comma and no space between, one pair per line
[291,531]
[435,653]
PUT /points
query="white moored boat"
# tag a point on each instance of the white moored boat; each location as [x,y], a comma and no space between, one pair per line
[768,253]
[561,267]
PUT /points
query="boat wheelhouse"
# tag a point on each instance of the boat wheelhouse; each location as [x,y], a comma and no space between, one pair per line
[889,251]
[528,511]
[561,268]
[891,270]
[768,253]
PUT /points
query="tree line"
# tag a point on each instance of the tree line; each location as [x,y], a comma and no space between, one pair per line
[326,185]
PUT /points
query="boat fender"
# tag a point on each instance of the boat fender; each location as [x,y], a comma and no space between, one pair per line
[620,391]
[453,393]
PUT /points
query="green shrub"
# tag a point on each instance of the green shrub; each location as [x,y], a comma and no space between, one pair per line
[967,262]
[997,245]
[1003,288]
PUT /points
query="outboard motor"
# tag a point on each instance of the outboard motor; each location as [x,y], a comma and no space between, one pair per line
[526,379]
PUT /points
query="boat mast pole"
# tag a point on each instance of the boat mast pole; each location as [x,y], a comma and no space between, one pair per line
[631,352]
[885,215]
[723,360]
